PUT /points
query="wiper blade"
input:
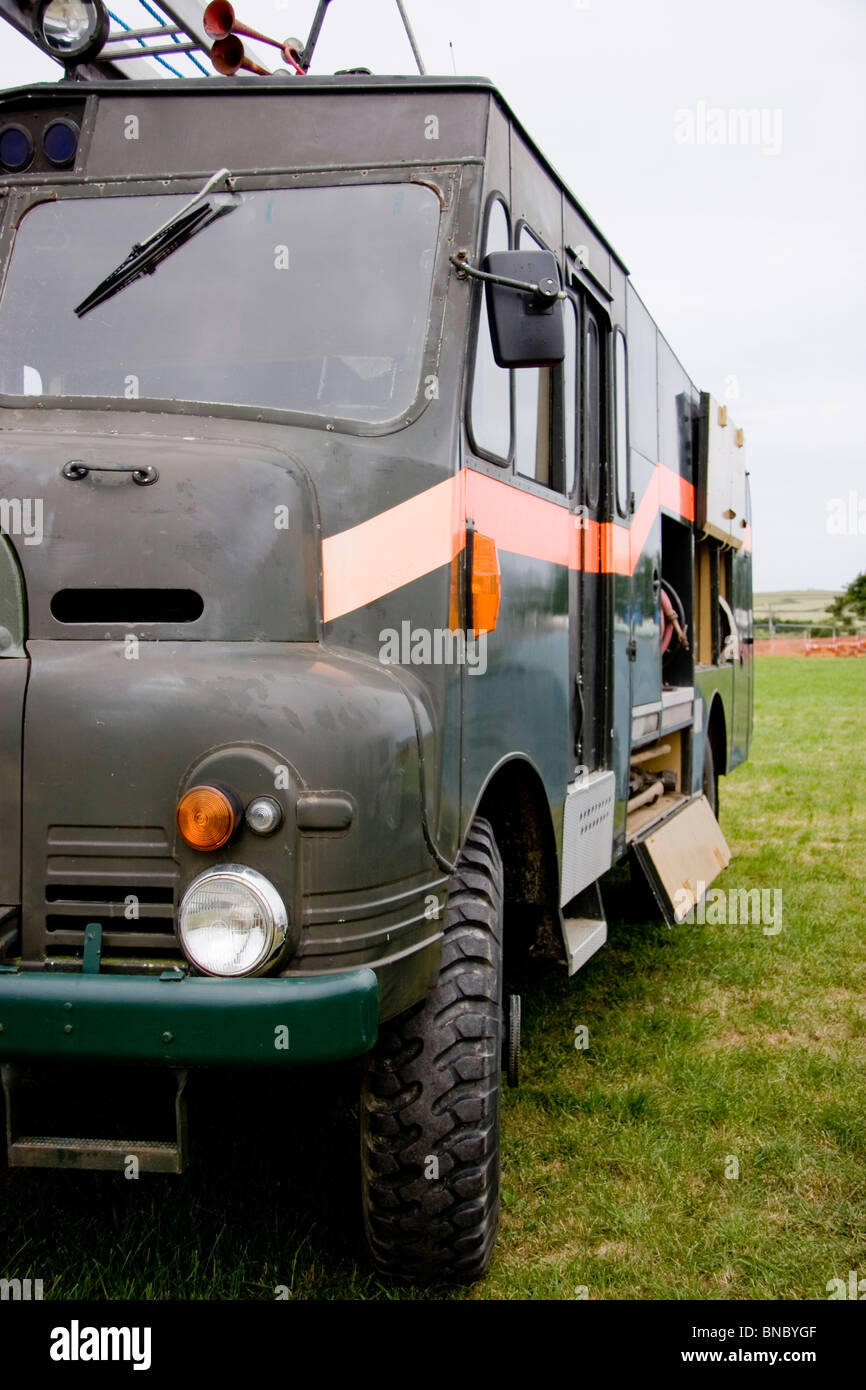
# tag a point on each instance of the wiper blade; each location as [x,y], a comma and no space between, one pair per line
[145,256]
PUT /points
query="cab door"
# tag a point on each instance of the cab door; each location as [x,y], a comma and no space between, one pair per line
[588,817]
[13,685]
[591,610]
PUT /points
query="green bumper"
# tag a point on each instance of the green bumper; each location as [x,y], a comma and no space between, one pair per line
[188,1020]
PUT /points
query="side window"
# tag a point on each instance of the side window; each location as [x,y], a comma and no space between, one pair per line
[592,409]
[490,410]
[570,386]
[532,400]
[621,388]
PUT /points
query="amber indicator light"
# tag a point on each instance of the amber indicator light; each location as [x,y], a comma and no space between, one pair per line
[206,817]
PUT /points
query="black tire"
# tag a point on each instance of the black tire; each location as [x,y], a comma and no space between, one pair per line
[431,1095]
[711,780]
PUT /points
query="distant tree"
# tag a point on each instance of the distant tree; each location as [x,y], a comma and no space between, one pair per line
[849,609]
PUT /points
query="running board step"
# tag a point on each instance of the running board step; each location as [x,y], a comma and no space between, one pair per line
[43,1151]
[585,931]
[33,1150]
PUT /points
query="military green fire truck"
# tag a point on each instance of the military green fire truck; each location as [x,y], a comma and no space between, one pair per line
[373,579]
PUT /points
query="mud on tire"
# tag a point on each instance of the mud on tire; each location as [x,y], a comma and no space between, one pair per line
[431,1093]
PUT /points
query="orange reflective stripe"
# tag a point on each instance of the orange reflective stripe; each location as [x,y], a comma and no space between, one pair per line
[401,544]
[615,549]
[591,560]
[675,493]
[517,521]
[427,531]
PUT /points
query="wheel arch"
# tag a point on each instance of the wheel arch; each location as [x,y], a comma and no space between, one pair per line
[717,734]
[515,804]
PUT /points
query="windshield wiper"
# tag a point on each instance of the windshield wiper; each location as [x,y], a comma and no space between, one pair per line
[145,256]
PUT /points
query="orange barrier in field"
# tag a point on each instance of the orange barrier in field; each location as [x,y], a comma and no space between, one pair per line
[810,646]
[836,646]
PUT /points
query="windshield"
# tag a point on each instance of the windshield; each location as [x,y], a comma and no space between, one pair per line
[306,299]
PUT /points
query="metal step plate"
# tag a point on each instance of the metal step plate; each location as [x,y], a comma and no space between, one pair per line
[583,937]
[32,1108]
[44,1151]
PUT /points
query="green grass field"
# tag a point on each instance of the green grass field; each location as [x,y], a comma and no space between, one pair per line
[707,1044]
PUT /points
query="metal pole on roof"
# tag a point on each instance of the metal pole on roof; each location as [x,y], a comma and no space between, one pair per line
[408,27]
[315,30]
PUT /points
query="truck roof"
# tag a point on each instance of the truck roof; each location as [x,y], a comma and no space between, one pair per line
[283,85]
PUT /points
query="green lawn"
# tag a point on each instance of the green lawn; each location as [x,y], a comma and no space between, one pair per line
[707,1044]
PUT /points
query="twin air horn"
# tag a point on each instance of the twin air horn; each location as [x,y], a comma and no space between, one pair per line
[227,53]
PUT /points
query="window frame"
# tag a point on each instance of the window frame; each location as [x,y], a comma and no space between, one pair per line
[556,380]
[576,309]
[622,465]
[594,500]
[478,319]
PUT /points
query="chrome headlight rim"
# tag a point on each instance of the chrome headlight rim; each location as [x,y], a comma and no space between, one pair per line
[270,901]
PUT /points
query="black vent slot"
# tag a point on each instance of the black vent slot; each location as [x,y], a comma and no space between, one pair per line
[116,929]
[105,892]
[127,606]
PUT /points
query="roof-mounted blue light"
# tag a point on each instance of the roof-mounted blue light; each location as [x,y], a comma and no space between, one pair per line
[60,142]
[16,149]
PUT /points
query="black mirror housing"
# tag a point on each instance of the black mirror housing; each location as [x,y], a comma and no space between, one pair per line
[527,329]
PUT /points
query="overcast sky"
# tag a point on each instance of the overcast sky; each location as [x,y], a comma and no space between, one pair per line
[748,254]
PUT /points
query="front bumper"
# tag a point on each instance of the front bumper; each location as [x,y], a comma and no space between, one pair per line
[187,1020]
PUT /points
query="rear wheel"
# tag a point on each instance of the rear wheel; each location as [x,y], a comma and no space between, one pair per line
[711,780]
[431,1095]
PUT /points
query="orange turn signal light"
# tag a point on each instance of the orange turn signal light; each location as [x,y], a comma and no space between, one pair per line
[485,585]
[206,817]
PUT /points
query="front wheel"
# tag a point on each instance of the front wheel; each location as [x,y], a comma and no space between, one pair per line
[431,1095]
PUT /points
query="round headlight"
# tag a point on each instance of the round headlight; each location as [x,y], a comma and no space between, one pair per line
[231,921]
[73,29]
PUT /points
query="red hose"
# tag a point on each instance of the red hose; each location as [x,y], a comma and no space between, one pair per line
[668,613]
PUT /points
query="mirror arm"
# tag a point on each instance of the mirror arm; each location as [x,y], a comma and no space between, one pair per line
[466,270]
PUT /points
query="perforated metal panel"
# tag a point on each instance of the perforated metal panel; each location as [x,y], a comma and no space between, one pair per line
[587,833]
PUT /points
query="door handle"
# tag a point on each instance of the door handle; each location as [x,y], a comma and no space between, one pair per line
[76,469]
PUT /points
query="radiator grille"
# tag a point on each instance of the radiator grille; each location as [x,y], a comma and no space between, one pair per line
[122,877]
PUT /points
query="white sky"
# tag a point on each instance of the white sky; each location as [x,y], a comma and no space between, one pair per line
[751,262]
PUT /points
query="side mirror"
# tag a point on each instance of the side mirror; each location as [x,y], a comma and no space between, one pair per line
[526,329]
